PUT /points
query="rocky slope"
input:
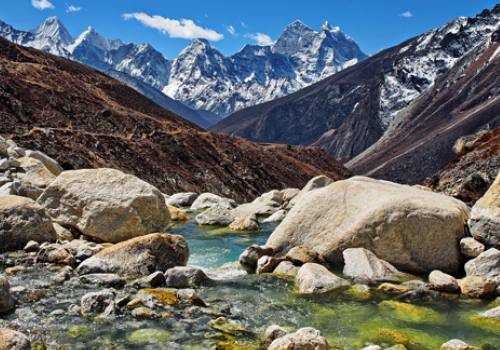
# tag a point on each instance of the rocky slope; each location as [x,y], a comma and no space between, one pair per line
[201,76]
[85,119]
[395,115]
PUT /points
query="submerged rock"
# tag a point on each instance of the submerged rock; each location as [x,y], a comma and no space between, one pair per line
[6,300]
[178,215]
[364,266]
[491,313]
[96,302]
[484,222]
[315,278]
[139,256]
[13,340]
[413,229]
[105,204]
[470,247]
[486,264]
[23,220]
[443,282]
[303,339]
[208,200]
[224,325]
[185,277]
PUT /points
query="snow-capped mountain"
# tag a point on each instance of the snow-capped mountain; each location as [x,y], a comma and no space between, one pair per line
[201,76]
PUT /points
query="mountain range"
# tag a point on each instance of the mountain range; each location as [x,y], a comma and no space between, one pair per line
[86,119]
[396,114]
[209,83]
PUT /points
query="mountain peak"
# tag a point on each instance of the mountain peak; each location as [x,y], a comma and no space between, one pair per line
[53,28]
[297,25]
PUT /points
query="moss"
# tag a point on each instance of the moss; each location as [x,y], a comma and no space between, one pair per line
[224,325]
[487,324]
[359,292]
[411,338]
[163,296]
[77,331]
[409,312]
[149,335]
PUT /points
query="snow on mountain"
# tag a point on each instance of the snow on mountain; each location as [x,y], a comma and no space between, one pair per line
[201,76]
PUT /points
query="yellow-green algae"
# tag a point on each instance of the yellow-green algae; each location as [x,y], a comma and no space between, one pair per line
[409,312]
[163,296]
[149,335]
[76,331]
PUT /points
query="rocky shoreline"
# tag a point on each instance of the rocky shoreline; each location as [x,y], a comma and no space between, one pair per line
[92,245]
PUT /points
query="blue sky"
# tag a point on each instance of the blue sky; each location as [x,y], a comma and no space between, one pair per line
[168,25]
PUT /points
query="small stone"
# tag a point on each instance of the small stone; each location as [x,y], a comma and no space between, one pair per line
[300,255]
[486,264]
[477,287]
[154,280]
[248,259]
[185,277]
[56,254]
[276,217]
[315,278]
[372,347]
[304,338]
[189,296]
[227,326]
[443,282]
[470,247]
[286,268]
[6,301]
[274,332]
[457,344]
[143,312]
[393,288]
[31,247]
[14,270]
[96,302]
[103,280]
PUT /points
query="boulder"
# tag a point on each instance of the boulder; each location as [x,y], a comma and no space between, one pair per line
[13,340]
[6,301]
[276,217]
[487,264]
[248,259]
[443,282]
[31,247]
[97,302]
[245,223]
[105,204]
[217,215]
[313,184]
[183,199]
[35,173]
[139,256]
[477,287]
[315,278]
[177,214]
[23,220]
[274,332]
[457,344]
[471,248]
[286,268]
[303,339]
[208,200]
[185,277]
[364,266]
[49,162]
[484,222]
[414,230]
[63,233]
[300,255]
[266,204]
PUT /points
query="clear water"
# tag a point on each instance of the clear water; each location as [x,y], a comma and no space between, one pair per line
[349,320]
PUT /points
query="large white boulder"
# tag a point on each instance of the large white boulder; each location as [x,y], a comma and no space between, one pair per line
[487,264]
[208,200]
[364,266]
[105,204]
[23,220]
[413,229]
[484,222]
[315,183]
[182,199]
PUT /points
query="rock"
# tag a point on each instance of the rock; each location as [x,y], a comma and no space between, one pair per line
[3,147]
[23,220]
[276,217]
[189,296]
[414,230]
[487,264]
[470,247]
[185,277]
[303,339]
[216,215]
[9,189]
[457,344]
[364,266]
[105,204]
[245,223]
[31,247]
[224,325]
[12,340]
[248,259]
[286,268]
[178,215]
[162,296]
[443,282]
[96,302]
[35,173]
[315,278]
[6,301]
[267,264]
[63,234]
[51,164]
[274,332]
[300,255]
[477,287]
[266,204]
[154,280]
[313,184]
[393,288]
[8,163]
[208,200]
[288,194]
[109,280]
[372,347]
[56,254]
[491,313]
[82,249]
[183,199]
[484,222]
[143,312]
[139,256]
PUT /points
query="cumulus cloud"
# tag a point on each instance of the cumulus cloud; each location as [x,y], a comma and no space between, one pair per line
[261,38]
[183,28]
[406,14]
[72,8]
[42,4]
[231,30]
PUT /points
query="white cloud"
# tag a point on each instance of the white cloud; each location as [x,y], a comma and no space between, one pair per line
[261,38]
[72,8]
[231,30]
[42,4]
[183,28]
[406,14]
[244,25]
